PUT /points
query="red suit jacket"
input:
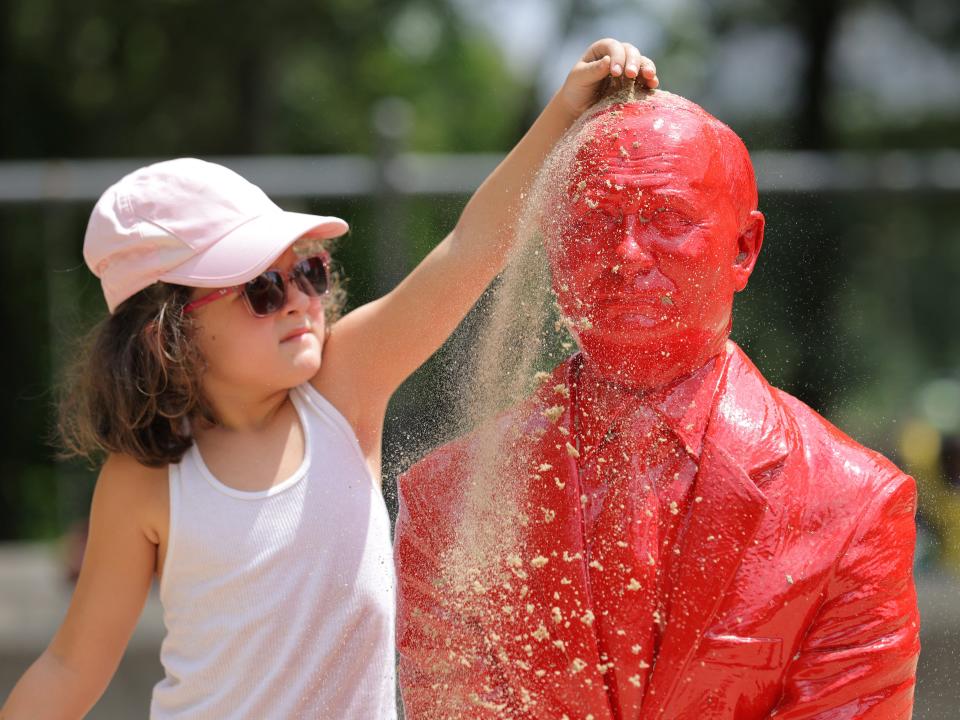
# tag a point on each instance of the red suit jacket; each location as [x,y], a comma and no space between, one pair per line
[793,590]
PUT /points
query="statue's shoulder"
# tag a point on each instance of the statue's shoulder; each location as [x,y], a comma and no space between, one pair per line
[828,448]
[767,414]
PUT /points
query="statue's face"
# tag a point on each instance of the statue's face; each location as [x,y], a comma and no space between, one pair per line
[645,257]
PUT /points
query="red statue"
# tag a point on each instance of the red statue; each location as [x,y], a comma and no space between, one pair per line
[693,542]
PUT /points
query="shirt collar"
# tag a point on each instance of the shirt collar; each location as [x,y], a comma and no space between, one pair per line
[684,405]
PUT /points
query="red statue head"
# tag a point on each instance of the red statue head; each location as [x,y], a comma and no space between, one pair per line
[652,234]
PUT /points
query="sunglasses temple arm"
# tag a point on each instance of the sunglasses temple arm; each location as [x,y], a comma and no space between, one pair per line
[207,299]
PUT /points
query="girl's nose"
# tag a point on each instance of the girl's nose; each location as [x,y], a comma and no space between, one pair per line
[297,299]
[632,248]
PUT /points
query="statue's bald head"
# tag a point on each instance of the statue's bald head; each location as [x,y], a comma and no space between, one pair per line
[651,228]
[618,133]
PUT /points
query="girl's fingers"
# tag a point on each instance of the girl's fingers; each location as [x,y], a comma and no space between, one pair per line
[596,69]
[620,59]
[640,66]
[631,67]
[648,71]
[609,57]
[614,48]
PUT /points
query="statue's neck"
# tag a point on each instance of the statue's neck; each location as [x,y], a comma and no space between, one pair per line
[601,380]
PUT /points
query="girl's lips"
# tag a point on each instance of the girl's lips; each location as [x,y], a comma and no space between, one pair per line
[295,334]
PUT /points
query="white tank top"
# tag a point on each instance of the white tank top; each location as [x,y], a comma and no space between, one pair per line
[280,603]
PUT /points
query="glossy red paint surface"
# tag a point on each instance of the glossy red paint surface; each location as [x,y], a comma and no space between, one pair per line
[694,543]
[644,242]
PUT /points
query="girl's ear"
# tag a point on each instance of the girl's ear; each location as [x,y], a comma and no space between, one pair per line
[748,248]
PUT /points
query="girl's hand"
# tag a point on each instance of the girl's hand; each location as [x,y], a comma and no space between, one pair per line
[605,58]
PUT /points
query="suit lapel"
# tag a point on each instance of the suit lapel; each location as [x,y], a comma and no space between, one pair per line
[550,620]
[745,438]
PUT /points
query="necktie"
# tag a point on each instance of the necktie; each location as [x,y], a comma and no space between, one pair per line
[620,511]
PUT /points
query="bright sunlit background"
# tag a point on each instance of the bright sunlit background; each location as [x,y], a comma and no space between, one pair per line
[390,113]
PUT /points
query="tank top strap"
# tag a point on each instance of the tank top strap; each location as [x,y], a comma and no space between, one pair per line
[313,399]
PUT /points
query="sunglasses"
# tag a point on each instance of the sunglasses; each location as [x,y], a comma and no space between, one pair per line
[267,292]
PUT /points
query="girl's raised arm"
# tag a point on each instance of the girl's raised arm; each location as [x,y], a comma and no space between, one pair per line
[379,344]
[118,567]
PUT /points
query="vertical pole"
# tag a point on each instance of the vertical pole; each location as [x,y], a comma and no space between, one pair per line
[392,120]
[63,268]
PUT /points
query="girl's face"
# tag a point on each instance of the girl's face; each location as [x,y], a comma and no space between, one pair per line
[268,354]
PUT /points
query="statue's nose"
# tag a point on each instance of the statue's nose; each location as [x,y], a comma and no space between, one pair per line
[632,248]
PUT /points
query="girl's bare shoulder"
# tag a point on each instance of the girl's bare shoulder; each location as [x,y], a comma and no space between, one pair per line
[127,472]
[141,493]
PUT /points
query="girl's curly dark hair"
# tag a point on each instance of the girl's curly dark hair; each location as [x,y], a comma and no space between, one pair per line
[136,380]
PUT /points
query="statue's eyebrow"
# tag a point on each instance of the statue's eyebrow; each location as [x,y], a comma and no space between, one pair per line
[674,199]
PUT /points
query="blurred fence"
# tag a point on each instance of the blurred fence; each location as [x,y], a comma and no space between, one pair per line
[344,176]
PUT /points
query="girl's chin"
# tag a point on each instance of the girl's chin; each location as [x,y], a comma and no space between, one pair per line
[304,364]
[309,364]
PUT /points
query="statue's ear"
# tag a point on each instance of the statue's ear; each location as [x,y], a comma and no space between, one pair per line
[748,248]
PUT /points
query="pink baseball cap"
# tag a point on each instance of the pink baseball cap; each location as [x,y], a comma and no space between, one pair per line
[189,222]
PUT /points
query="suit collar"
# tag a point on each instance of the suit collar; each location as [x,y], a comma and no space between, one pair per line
[684,405]
[747,420]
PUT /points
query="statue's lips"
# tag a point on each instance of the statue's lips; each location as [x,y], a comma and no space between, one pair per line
[644,309]
[635,299]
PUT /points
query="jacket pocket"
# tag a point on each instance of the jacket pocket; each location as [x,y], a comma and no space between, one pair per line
[762,653]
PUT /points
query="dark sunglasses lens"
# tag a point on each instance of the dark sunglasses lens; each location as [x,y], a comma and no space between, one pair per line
[312,276]
[265,293]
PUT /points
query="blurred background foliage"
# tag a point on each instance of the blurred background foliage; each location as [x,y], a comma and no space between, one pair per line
[854,305]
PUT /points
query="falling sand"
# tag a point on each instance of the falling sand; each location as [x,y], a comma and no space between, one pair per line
[486,567]
[524,336]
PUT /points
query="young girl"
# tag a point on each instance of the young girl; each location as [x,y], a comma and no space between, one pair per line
[243,434]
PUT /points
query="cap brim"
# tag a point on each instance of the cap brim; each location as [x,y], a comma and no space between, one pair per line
[248,250]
